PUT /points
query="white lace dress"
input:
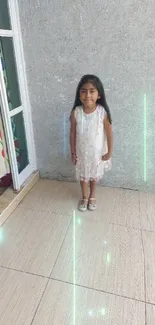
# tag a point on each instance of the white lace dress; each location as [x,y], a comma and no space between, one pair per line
[91,144]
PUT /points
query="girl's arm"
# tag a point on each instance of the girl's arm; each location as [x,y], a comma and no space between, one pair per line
[108,131]
[73,135]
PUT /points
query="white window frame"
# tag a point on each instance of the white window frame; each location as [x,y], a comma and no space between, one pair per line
[15,33]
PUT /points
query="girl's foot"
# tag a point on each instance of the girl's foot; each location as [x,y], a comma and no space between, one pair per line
[83,205]
[92,204]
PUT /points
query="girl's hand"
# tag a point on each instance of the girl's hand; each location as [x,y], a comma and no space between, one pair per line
[106,157]
[74,159]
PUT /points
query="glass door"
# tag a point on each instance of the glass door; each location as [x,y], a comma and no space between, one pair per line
[14,101]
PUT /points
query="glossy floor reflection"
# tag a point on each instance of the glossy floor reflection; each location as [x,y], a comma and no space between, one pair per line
[60,266]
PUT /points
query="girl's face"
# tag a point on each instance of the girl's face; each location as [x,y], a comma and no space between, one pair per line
[89,95]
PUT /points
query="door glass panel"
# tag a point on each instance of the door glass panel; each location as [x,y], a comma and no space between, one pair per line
[17,122]
[4,15]
[10,72]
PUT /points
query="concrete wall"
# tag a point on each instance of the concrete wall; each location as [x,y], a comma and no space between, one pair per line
[115,40]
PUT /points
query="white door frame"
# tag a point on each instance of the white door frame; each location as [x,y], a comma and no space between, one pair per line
[8,132]
[15,33]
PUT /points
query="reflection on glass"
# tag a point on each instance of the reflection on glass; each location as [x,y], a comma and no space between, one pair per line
[10,72]
[17,122]
[4,15]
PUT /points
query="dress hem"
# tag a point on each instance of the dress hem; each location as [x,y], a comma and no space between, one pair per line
[90,179]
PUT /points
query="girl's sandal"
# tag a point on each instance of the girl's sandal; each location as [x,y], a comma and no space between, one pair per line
[83,205]
[92,205]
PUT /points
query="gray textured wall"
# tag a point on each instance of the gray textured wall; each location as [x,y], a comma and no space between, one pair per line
[115,40]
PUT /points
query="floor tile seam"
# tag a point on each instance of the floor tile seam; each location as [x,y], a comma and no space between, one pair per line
[68,214]
[67,230]
[39,302]
[80,286]
[142,241]
[7,267]
[42,210]
[143,250]
[101,291]
[129,227]
[24,272]
[9,217]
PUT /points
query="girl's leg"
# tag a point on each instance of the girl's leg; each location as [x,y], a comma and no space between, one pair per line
[84,189]
[92,189]
[84,201]
[92,199]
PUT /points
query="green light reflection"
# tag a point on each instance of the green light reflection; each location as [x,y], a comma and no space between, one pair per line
[145,148]
[108,258]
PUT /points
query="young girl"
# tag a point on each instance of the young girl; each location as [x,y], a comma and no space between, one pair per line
[90,137]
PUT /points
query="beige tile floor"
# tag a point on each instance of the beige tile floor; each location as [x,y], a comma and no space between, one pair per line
[62,267]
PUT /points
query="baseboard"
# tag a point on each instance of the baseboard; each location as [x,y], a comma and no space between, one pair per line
[9,200]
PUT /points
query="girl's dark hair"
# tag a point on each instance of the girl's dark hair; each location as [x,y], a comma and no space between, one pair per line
[96,82]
